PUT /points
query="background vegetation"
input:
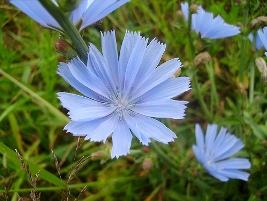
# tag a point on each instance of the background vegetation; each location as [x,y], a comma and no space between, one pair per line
[227,90]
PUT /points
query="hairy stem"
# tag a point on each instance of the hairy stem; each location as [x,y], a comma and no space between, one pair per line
[68,28]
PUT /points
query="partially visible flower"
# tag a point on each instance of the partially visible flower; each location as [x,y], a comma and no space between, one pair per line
[258,38]
[185,10]
[214,152]
[212,27]
[255,40]
[207,25]
[87,12]
[122,92]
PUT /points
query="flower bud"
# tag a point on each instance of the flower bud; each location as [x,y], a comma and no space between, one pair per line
[194,8]
[61,45]
[262,67]
[98,155]
[179,13]
[259,21]
[202,58]
[147,164]
[146,149]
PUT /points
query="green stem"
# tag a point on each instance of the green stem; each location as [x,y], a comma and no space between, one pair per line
[214,93]
[69,29]
[252,82]
[199,95]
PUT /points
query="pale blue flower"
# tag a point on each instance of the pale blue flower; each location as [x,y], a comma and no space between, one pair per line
[215,150]
[185,10]
[121,92]
[87,12]
[262,35]
[259,37]
[212,27]
[207,25]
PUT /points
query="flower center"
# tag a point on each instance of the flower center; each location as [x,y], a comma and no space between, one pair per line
[121,104]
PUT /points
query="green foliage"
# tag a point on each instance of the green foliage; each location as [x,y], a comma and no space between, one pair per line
[228,91]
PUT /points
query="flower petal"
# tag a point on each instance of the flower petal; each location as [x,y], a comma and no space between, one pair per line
[103,130]
[166,90]
[84,109]
[164,109]
[86,77]
[37,12]
[218,175]
[110,53]
[199,137]
[230,146]
[234,163]
[210,137]
[198,152]
[133,125]
[154,129]
[99,9]
[235,174]
[65,72]
[127,48]
[121,140]
[151,60]
[134,64]
[78,12]
[161,74]
[83,128]
[97,65]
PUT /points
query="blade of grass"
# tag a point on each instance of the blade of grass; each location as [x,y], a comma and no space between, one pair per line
[34,168]
[15,130]
[214,94]
[72,186]
[39,100]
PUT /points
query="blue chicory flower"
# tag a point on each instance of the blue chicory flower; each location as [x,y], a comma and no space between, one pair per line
[209,26]
[120,93]
[259,38]
[214,152]
[87,12]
